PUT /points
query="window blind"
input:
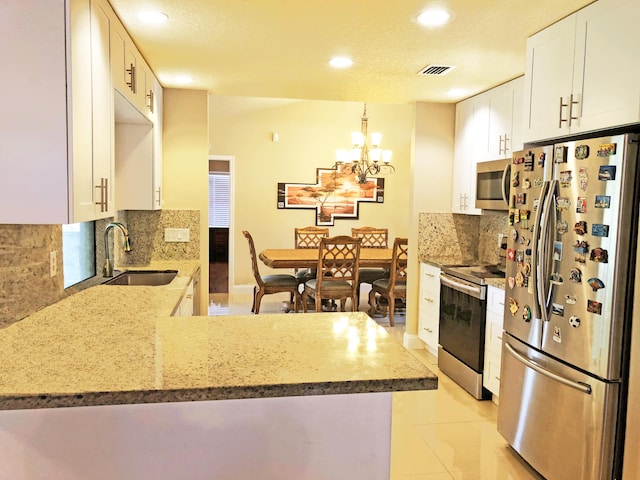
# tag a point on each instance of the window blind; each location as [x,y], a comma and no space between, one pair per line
[219,192]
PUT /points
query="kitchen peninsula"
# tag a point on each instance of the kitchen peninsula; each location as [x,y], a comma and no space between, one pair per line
[232,395]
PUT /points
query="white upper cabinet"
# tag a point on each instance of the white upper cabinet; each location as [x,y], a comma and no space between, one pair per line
[581,73]
[504,110]
[56,122]
[464,166]
[488,127]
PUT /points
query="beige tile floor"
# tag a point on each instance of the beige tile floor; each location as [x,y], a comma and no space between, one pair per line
[442,434]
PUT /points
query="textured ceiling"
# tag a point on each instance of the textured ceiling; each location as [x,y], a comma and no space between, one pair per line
[280,48]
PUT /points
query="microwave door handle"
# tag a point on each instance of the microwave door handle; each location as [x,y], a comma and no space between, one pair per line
[506,173]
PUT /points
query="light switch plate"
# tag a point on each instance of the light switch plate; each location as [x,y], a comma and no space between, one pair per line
[176,234]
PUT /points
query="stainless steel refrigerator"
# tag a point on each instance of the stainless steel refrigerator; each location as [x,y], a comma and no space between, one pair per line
[568,307]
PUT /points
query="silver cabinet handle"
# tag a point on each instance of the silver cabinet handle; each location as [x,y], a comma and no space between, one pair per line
[560,119]
[571,104]
[583,387]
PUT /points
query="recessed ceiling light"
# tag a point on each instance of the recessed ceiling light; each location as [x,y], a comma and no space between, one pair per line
[152,17]
[183,79]
[434,17]
[341,62]
[457,92]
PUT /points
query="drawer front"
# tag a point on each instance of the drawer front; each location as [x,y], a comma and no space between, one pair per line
[495,300]
[428,332]
[491,374]
[493,336]
[429,276]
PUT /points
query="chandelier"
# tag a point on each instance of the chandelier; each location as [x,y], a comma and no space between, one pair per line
[362,160]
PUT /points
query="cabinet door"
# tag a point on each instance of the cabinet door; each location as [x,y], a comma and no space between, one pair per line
[548,81]
[157,144]
[33,148]
[608,86]
[500,105]
[102,114]
[464,170]
[429,306]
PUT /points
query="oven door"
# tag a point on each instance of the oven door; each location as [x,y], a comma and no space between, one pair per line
[462,320]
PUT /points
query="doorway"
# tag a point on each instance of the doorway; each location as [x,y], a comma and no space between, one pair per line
[219,222]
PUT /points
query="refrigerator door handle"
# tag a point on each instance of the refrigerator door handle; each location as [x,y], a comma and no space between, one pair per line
[582,387]
[543,252]
[535,253]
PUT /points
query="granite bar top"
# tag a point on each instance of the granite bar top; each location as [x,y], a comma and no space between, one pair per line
[119,345]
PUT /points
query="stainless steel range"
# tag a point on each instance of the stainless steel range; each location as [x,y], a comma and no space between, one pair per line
[463,293]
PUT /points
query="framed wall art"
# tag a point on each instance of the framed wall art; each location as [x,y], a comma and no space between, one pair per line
[336,194]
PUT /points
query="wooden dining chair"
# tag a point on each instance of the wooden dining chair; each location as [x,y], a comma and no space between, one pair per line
[395,285]
[270,283]
[372,237]
[337,273]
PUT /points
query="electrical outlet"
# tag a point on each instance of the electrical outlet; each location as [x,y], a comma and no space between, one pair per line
[176,234]
[53,263]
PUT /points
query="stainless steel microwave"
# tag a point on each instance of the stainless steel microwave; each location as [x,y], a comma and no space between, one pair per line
[492,184]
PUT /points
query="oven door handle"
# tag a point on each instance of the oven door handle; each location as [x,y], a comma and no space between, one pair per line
[473,290]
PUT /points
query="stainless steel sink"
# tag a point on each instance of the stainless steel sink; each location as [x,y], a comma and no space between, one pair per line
[143,277]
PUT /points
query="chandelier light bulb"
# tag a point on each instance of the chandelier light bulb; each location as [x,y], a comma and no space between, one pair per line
[364,160]
[342,156]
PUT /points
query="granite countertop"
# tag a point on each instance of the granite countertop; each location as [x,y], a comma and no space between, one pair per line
[496,282]
[119,344]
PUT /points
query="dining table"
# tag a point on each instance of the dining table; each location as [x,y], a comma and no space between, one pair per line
[299,258]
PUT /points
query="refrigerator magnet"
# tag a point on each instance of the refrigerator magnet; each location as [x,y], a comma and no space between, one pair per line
[595,283]
[519,279]
[526,183]
[562,227]
[599,230]
[565,179]
[515,179]
[583,178]
[541,158]
[563,203]
[557,337]
[513,306]
[574,321]
[575,275]
[512,282]
[537,182]
[560,154]
[557,309]
[606,149]
[526,313]
[557,251]
[581,246]
[581,205]
[514,234]
[570,299]
[511,254]
[521,199]
[607,172]
[556,279]
[599,255]
[603,201]
[582,152]
[528,162]
[594,307]
[580,228]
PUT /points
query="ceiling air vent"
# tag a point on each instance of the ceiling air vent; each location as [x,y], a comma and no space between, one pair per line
[436,70]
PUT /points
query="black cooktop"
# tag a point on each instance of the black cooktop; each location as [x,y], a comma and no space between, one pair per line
[475,273]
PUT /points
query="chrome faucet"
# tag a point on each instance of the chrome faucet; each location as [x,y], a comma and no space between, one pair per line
[107,271]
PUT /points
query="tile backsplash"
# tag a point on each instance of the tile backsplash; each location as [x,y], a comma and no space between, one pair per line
[461,238]
[26,285]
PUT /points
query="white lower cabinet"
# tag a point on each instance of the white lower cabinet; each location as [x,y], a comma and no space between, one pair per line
[429,306]
[185,306]
[493,340]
